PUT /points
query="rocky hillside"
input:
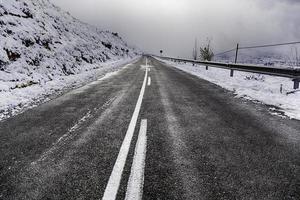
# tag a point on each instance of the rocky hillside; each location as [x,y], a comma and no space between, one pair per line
[39,42]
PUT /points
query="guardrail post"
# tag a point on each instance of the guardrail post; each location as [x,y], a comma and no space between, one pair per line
[231,72]
[206,67]
[296,83]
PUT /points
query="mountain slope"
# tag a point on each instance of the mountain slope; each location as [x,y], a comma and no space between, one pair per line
[40,43]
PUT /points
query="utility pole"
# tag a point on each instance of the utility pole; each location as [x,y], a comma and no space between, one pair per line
[236,57]
[236,53]
[195,51]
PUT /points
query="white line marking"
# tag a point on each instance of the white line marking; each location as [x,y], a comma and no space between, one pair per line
[113,184]
[149,81]
[136,180]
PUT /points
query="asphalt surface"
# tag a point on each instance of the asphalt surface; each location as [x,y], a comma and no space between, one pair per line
[202,142]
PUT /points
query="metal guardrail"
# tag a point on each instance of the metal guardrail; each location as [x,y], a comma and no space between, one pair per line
[294,74]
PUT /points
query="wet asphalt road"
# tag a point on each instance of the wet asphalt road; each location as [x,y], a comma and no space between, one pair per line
[202,143]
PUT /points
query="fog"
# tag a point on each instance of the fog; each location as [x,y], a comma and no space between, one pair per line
[173,25]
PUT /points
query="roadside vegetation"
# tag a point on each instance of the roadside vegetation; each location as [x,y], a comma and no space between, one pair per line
[205,51]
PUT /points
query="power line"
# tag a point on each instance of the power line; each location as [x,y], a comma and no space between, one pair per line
[258,46]
[269,45]
[225,52]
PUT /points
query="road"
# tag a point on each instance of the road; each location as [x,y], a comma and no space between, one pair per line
[172,137]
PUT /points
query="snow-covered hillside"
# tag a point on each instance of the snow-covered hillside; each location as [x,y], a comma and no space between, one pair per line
[40,43]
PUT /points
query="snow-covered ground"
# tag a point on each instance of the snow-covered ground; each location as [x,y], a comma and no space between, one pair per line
[15,101]
[261,88]
[44,50]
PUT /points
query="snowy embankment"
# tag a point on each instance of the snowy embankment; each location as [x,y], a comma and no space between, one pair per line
[44,50]
[255,87]
[15,101]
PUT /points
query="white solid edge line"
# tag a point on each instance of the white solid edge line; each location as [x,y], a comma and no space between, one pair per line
[136,179]
[149,81]
[113,184]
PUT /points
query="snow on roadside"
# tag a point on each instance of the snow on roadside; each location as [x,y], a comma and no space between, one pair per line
[262,88]
[15,101]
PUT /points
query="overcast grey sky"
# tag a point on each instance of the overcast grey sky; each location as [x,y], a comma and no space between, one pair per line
[173,25]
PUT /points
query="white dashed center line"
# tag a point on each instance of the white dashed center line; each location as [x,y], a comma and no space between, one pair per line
[113,184]
[136,180]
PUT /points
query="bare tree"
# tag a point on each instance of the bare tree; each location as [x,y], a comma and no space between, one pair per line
[206,52]
[297,57]
[293,58]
